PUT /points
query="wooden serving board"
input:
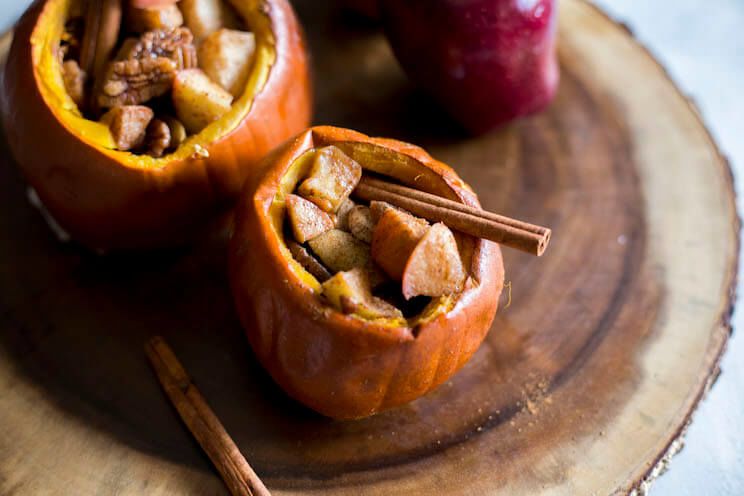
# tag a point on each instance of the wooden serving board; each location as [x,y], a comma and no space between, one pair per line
[583,386]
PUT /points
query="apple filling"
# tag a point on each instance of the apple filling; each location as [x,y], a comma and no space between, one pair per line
[370,260]
[154,74]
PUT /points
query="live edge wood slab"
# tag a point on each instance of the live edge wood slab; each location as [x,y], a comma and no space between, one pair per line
[583,386]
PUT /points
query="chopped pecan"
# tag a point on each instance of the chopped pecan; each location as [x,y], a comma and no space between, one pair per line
[128,124]
[177,131]
[132,81]
[74,79]
[145,69]
[176,44]
[157,138]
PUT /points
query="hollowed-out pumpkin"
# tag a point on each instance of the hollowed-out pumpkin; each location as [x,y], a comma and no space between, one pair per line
[345,366]
[109,199]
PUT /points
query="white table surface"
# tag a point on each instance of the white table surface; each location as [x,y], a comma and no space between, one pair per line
[701,42]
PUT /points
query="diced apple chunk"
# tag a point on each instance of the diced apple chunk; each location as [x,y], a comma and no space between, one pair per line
[226,56]
[204,17]
[350,293]
[141,19]
[128,125]
[198,101]
[394,239]
[339,250]
[361,224]
[333,176]
[307,220]
[434,267]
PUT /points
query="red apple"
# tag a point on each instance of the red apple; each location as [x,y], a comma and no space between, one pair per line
[485,61]
[147,4]
[364,8]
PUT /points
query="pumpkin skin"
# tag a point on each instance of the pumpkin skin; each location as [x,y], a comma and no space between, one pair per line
[340,365]
[111,200]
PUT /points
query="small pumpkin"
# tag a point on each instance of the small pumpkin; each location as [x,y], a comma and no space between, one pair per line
[109,199]
[344,366]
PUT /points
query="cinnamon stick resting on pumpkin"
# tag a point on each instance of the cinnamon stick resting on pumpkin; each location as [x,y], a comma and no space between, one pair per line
[384,239]
[473,221]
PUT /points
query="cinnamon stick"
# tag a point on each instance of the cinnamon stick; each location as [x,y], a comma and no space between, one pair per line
[476,222]
[238,475]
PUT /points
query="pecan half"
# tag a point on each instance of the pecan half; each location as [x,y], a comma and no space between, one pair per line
[131,82]
[176,44]
[157,138]
[145,69]
[177,131]
[74,79]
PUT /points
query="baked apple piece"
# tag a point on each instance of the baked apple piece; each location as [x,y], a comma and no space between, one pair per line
[345,344]
[307,219]
[204,17]
[72,62]
[146,18]
[394,238]
[226,57]
[351,293]
[198,101]
[340,251]
[332,178]
[434,267]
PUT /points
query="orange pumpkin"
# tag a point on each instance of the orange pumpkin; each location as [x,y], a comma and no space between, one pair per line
[109,199]
[344,366]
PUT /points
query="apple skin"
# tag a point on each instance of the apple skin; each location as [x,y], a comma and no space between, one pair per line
[147,4]
[365,8]
[485,61]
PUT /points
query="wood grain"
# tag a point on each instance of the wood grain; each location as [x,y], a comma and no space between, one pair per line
[581,387]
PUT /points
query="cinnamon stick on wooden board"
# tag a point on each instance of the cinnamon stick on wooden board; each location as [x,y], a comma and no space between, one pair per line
[476,222]
[239,477]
